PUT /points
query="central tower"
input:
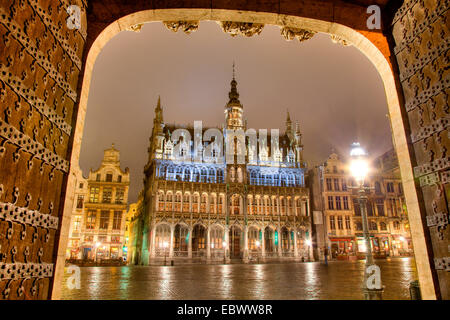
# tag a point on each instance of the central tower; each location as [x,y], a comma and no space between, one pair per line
[234,109]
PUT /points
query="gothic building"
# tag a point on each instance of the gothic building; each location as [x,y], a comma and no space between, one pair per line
[225,195]
[335,200]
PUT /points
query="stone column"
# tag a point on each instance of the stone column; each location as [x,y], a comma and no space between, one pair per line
[152,243]
[295,244]
[227,241]
[279,241]
[190,243]
[245,256]
[208,243]
[263,243]
[172,230]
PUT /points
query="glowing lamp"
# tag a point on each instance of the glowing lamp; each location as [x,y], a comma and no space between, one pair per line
[359,166]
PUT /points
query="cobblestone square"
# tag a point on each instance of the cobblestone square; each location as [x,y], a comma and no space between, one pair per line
[286,281]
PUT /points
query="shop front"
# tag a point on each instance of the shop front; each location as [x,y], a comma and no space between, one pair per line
[342,248]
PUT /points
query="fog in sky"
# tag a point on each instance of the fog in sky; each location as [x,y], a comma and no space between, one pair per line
[333,91]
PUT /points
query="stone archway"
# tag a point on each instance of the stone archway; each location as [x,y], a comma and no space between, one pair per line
[377,54]
[44,178]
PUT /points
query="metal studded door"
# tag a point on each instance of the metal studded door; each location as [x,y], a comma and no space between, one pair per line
[40,61]
[422,41]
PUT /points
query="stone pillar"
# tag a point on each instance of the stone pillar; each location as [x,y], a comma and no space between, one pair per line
[190,243]
[208,243]
[263,243]
[245,256]
[152,243]
[227,247]
[295,244]
[279,242]
[172,230]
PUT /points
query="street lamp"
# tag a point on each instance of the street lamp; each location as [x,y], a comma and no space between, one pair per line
[258,244]
[359,168]
[165,245]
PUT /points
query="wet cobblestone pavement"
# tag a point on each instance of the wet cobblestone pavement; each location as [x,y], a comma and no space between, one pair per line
[338,280]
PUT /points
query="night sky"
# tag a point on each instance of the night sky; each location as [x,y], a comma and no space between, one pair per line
[333,91]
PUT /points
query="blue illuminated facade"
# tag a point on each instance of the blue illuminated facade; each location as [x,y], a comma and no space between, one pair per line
[202,202]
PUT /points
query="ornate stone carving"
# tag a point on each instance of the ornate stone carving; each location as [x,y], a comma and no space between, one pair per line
[300,34]
[136,27]
[340,40]
[186,26]
[247,29]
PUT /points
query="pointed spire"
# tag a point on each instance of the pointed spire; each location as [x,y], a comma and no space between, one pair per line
[159,111]
[233,94]
[288,116]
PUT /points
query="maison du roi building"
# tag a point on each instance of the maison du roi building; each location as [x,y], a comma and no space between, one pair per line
[97,228]
[213,208]
[337,215]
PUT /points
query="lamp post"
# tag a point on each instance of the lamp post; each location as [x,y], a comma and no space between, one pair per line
[258,244]
[359,168]
[165,245]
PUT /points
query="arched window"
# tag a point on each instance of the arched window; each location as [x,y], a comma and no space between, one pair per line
[396,225]
[358,226]
[373,226]
[203,203]
[253,177]
[162,238]
[298,208]
[232,174]
[179,173]
[187,174]
[239,175]
[220,203]
[377,187]
[170,173]
[383,226]
[186,199]
[212,175]
[220,176]
[195,203]
[216,236]
[196,175]
[178,202]
[212,203]
[169,201]
[276,179]
[204,175]
[161,201]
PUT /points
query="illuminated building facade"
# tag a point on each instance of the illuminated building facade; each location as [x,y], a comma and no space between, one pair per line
[104,213]
[205,200]
[386,210]
[73,250]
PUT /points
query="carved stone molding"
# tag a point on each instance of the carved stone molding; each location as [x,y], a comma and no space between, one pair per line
[300,34]
[338,39]
[136,27]
[186,26]
[247,29]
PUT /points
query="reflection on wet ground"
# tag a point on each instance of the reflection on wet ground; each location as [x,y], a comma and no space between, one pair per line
[313,280]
